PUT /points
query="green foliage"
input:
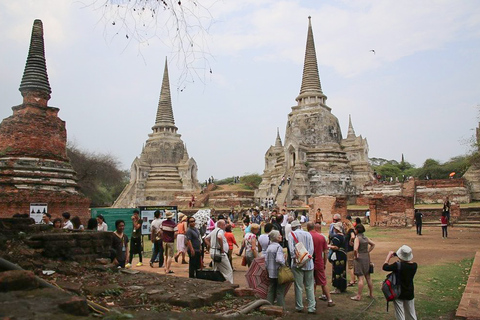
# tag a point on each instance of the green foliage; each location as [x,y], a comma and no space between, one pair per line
[224,181]
[98,175]
[436,170]
[392,168]
[251,181]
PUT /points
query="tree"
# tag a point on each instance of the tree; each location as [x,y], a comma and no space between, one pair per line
[98,175]
[180,25]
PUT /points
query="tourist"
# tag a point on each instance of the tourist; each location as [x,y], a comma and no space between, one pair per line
[446,208]
[156,238]
[274,259]
[288,230]
[405,303]
[136,240]
[444,224]
[219,246]
[304,275]
[264,240]
[168,230]
[256,218]
[92,224]
[362,248]
[246,229]
[102,225]
[418,221]
[338,259]
[47,219]
[57,223]
[336,218]
[67,224]
[251,245]
[182,229]
[194,241]
[77,224]
[320,250]
[349,246]
[367,216]
[231,241]
[120,244]
[319,216]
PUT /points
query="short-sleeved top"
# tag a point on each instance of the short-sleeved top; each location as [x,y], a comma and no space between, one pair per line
[194,236]
[102,227]
[348,237]
[120,246]
[319,247]
[306,238]
[230,239]
[68,225]
[137,232]
[264,241]
[407,273]
[274,258]
[248,241]
[168,227]
[418,217]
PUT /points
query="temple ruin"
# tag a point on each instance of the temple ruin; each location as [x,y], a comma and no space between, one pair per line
[34,167]
[164,167]
[315,159]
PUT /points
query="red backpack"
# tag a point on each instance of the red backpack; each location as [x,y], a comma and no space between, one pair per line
[391,286]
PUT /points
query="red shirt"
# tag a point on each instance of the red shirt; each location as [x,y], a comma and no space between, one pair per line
[169,227]
[319,247]
[230,239]
[444,221]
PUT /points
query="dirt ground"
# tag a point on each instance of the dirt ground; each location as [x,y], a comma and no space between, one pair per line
[428,249]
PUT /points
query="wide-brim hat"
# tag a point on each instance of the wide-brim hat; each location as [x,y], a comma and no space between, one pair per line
[181,216]
[295,223]
[169,214]
[405,253]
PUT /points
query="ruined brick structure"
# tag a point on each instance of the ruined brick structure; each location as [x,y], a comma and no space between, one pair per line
[164,167]
[315,156]
[34,167]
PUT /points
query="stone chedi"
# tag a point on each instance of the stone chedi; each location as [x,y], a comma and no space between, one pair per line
[315,157]
[34,167]
[164,167]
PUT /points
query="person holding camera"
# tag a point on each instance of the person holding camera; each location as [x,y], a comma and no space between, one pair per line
[405,303]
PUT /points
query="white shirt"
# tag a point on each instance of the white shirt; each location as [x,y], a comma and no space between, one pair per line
[213,240]
[68,225]
[102,227]
[285,220]
[288,230]
[264,242]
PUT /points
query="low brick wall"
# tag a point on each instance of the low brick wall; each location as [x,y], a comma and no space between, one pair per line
[391,211]
[329,206]
[77,245]
[435,191]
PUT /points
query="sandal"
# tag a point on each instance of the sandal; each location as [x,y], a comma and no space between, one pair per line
[323,297]
[355,298]
[171,271]
[350,284]
[335,292]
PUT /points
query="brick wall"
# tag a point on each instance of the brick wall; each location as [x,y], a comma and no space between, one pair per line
[435,191]
[329,206]
[392,211]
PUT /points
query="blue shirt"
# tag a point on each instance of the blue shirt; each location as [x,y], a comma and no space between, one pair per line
[305,238]
[274,258]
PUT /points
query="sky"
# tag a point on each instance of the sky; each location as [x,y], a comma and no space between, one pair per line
[236,72]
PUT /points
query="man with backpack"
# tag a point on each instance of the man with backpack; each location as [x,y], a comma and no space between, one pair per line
[403,272]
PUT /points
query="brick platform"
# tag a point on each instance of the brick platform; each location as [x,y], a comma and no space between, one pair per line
[469,307]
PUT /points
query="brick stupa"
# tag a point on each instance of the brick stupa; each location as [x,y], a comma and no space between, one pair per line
[34,167]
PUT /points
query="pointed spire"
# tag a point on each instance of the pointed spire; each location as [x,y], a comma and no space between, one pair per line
[278,141]
[311,87]
[185,153]
[35,78]
[164,112]
[351,132]
[403,159]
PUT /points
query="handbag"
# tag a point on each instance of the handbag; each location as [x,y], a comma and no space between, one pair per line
[301,254]
[370,269]
[244,261]
[217,257]
[285,275]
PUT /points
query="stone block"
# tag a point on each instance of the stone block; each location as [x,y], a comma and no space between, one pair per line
[75,306]
[243,292]
[70,286]
[18,280]
[269,310]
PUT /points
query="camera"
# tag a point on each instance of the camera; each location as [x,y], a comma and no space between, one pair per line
[394,254]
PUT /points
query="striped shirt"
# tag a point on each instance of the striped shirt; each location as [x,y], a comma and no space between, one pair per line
[274,258]
[168,227]
[305,238]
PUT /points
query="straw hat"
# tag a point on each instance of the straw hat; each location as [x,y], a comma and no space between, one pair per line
[295,223]
[168,214]
[405,253]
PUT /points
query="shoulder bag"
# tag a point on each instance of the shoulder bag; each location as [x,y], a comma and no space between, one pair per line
[217,257]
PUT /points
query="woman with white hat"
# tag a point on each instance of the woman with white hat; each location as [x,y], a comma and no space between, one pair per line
[405,303]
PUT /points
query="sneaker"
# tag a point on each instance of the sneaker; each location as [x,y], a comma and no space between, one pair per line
[139,264]
[128,266]
[323,297]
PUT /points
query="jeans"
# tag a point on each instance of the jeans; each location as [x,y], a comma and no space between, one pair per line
[193,264]
[304,278]
[157,251]
[277,291]
[419,228]
[405,309]
[444,231]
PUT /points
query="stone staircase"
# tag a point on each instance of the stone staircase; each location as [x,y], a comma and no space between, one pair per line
[165,177]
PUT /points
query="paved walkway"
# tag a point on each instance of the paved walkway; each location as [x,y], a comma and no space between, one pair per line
[469,306]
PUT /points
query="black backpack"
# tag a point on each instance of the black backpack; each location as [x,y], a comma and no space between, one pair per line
[391,286]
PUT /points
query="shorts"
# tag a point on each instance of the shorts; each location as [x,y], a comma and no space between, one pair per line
[319,276]
[350,257]
[168,249]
